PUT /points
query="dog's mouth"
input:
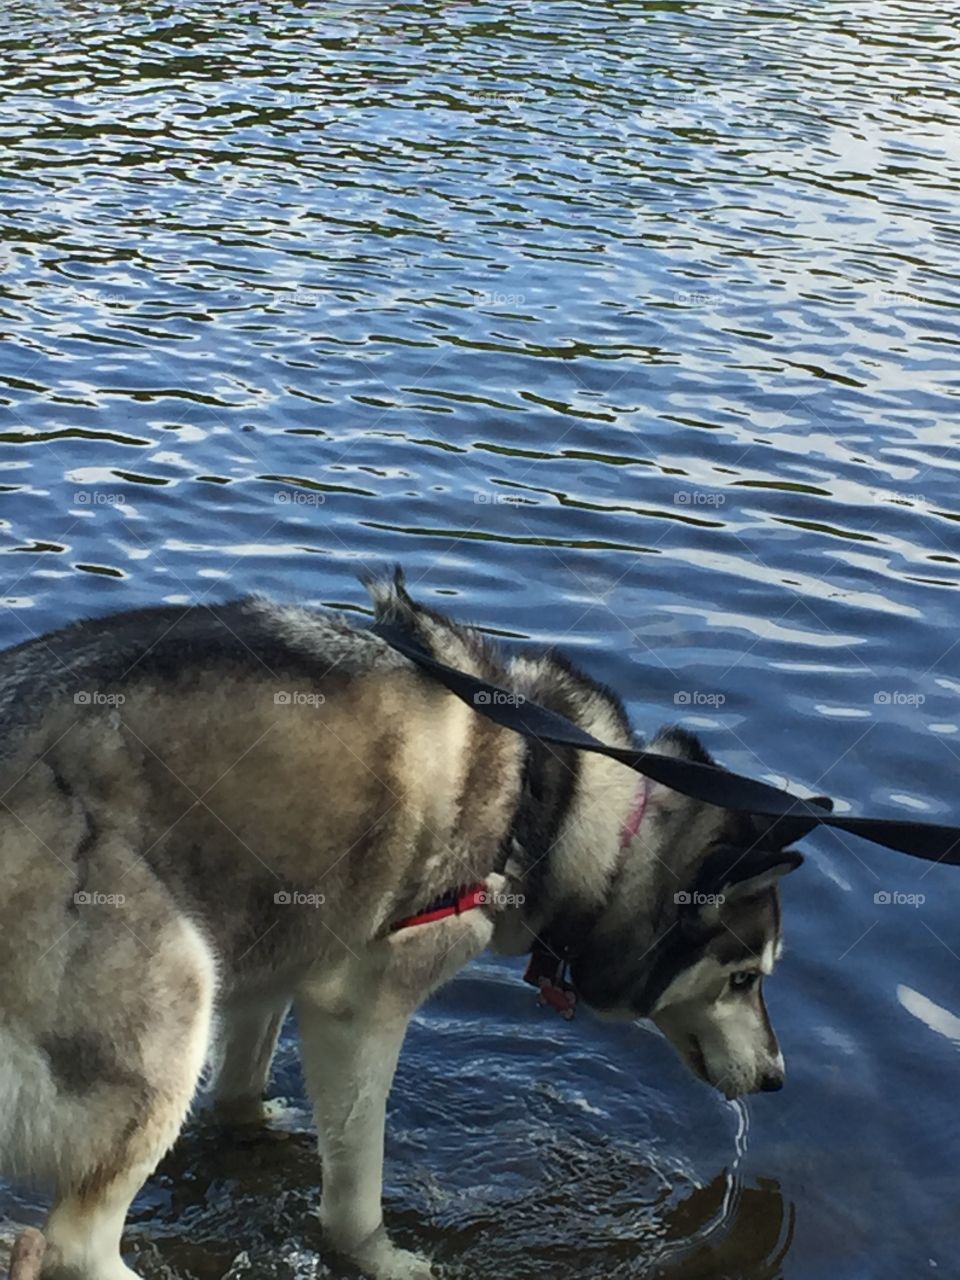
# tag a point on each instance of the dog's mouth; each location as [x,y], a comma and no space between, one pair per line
[696,1060]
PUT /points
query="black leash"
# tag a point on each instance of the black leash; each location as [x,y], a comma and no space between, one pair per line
[708,783]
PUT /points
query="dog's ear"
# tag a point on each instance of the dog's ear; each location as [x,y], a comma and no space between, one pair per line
[440,636]
[391,600]
[759,871]
[731,873]
[777,833]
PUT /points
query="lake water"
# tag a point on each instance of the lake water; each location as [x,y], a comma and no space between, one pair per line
[631,328]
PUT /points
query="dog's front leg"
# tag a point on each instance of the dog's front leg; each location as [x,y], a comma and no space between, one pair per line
[349,1058]
[351,1032]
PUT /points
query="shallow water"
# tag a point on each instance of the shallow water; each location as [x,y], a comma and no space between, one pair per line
[630,328]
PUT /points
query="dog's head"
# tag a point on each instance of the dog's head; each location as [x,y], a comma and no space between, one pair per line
[717,938]
[707,997]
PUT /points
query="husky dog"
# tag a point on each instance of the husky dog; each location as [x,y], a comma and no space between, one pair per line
[210,814]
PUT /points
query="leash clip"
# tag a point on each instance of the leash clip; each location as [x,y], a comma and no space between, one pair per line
[549,974]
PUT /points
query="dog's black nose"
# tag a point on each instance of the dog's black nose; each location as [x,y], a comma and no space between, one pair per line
[771,1083]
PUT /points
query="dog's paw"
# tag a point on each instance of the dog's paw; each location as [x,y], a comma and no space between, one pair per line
[403,1264]
[380,1259]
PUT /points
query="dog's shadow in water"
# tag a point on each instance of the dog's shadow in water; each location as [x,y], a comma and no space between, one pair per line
[237,1204]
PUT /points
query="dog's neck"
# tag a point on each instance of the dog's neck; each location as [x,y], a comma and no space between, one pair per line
[577,817]
[610,869]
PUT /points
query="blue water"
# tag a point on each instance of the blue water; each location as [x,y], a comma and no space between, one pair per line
[631,328]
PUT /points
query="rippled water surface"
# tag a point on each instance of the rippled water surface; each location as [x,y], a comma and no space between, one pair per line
[630,327]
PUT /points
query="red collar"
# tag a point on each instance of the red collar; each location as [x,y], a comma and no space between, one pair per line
[452,903]
[637,809]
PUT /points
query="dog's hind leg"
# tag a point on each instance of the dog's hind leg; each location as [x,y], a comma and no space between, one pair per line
[248,1038]
[123,1087]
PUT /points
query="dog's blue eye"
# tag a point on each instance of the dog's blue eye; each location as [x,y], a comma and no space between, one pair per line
[744,980]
